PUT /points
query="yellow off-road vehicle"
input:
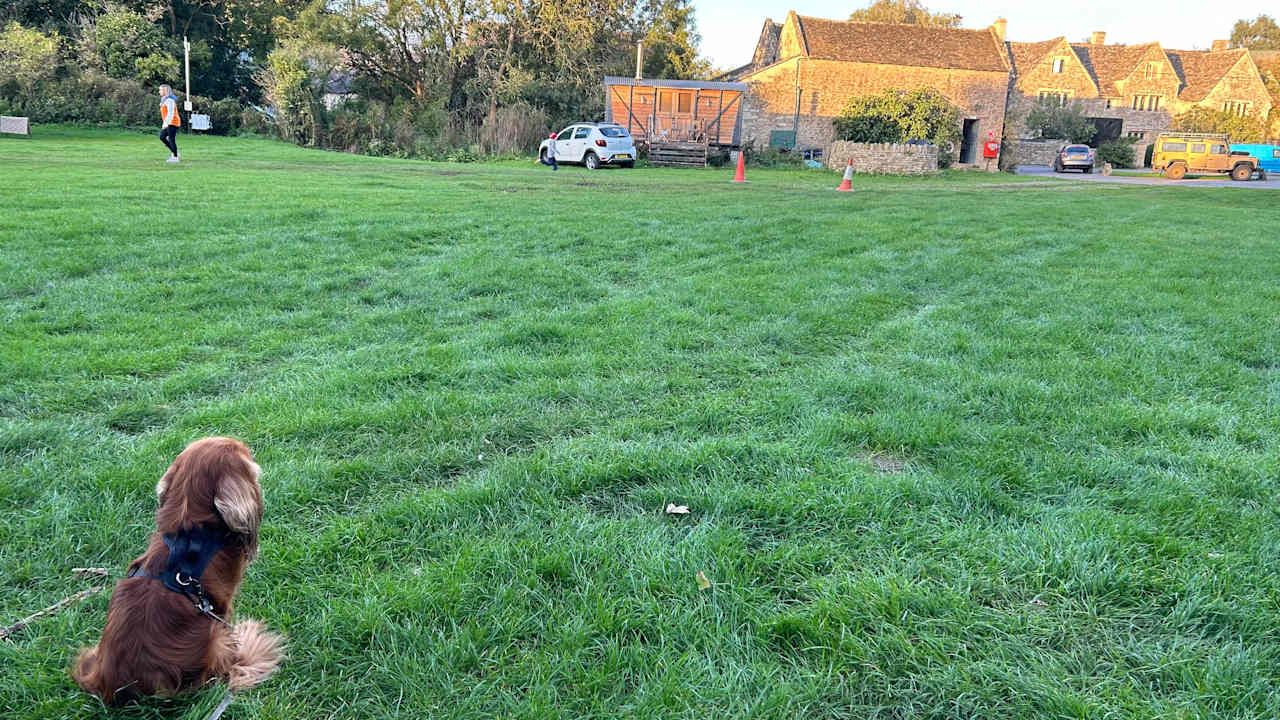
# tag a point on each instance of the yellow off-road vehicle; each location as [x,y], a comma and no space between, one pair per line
[1180,153]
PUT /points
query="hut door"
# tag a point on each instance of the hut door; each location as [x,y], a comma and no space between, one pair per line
[674,116]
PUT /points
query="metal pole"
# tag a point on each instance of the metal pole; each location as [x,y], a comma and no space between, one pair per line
[639,57]
[186,61]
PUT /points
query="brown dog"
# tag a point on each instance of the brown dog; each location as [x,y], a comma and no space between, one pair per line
[165,631]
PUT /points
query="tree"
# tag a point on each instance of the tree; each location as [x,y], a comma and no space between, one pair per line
[896,116]
[1048,119]
[27,57]
[1240,129]
[904,12]
[1261,34]
[124,44]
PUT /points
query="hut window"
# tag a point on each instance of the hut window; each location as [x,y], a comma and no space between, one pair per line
[684,102]
[664,101]
[1058,63]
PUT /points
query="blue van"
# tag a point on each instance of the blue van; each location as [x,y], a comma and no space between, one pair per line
[1268,155]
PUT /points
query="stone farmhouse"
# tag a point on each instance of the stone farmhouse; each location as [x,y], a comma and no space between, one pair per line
[1132,90]
[806,69]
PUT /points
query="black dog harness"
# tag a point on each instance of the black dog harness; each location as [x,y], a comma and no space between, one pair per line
[189,554]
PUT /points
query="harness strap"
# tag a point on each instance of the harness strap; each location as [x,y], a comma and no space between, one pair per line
[189,554]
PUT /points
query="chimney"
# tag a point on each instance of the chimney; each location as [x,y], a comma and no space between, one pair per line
[1000,25]
[1220,45]
[1099,37]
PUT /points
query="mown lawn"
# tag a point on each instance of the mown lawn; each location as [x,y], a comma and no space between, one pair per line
[959,447]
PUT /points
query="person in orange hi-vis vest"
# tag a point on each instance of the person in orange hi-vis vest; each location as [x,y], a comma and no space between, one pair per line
[170,121]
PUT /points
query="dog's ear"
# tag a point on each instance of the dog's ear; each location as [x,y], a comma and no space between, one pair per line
[238,500]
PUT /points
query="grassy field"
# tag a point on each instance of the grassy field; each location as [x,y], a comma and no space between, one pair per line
[958,447]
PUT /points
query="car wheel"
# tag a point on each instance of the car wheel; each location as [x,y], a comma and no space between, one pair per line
[1262,175]
[628,164]
[1241,172]
[1087,171]
[543,157]
[591,161]
[1055,167]
[1176,171]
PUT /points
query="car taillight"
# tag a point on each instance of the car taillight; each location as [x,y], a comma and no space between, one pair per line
[600,143]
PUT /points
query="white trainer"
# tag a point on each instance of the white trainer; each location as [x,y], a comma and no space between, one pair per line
[172,158]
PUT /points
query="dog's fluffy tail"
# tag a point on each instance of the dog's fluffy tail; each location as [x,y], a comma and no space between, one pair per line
[85,671]
[258,654]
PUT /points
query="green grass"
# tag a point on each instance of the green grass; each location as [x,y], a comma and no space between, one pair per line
[954,447]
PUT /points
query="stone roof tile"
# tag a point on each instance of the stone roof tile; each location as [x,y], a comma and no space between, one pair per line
[913,45]
[1201,71]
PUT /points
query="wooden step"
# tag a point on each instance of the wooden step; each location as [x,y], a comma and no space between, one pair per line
[678,154]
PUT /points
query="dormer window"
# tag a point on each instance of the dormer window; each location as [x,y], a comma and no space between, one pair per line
[1059,64]
[1152,70]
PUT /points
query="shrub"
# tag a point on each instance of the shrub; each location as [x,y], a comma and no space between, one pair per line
[27,57]
[1048,119]
[223,114]
[772,157]
[1240,129]
[895,116]
[1118,152]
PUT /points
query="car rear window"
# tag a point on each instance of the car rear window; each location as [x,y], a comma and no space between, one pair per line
[1077,149]
[1173,147]
[613,132]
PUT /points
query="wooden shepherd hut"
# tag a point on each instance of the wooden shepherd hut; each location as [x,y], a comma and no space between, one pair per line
[679,120]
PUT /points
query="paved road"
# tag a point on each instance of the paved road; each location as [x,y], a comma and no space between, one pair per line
[1272,182]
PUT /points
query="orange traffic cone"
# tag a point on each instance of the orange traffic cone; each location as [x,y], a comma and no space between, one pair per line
[846,185]
[741,175]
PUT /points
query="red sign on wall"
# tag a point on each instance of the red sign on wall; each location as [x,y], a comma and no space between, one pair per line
[990,149]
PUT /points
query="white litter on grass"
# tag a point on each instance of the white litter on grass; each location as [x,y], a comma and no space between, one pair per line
[674,509]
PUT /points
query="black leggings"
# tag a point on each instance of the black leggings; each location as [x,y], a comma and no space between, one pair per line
[169,136]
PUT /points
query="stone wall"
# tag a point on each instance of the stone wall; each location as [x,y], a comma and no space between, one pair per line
[883,158]
[826,86]
[1034,152]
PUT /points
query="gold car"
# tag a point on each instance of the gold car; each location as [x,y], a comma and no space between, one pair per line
[1180,153]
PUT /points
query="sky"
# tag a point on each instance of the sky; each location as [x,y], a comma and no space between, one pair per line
[730,28]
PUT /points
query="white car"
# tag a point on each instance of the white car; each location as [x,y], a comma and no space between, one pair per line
[593,145]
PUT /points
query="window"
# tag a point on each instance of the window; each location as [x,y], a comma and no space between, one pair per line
[1152,70]
[1146,102]
[1056,97]
[565,134]
[1173,147]
[1197,148]
[581,133]
[1275,153]
[664,102]
[1236,107]
[1058,64]
[613,131]
[684,103]
[1218,149]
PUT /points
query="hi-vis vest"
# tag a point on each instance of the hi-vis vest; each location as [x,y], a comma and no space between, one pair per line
[169,109]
